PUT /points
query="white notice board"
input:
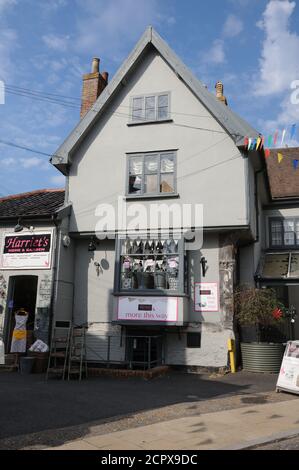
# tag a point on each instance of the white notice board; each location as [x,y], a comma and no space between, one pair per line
[288,379]
[206,297]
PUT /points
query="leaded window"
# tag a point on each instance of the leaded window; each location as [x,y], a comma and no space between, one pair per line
[151,173]
[284,232]
[148,108]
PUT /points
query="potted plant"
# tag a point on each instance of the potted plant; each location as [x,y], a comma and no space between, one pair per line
[260,318]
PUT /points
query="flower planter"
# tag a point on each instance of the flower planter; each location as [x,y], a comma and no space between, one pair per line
[160,280]
[262,357]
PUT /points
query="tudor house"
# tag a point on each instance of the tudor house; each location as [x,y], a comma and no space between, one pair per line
[155,134]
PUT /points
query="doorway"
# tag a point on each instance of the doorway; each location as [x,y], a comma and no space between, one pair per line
[144,348]
[22,292]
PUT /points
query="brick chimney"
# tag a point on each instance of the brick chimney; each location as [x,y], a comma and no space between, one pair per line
[219,93]
[93,85]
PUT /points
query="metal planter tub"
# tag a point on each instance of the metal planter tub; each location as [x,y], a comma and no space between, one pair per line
[262,357]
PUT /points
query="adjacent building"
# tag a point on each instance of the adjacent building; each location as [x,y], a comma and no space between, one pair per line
[29,225]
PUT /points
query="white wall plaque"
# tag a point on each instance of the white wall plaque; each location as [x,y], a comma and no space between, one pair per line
[206,297]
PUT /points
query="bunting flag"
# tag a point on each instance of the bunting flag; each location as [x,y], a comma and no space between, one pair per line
[293,131]
[270,141]
[279,157]
[267,153]
[249,143]
[263,141]
[283,136]
[295,163]
[246,140]
[253,145]
[275,137]
[258,141]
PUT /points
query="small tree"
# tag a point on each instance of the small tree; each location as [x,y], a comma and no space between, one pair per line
[258,308]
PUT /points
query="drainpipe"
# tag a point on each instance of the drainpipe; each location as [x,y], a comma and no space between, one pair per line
[55,270]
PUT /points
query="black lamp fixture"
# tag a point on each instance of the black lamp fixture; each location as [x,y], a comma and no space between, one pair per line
[92,246]
[19,227]
[203,263]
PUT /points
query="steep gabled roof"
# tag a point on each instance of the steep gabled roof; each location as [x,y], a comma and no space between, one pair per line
[235,126]
[40,203]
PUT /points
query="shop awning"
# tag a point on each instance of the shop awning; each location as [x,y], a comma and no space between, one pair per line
[281,266]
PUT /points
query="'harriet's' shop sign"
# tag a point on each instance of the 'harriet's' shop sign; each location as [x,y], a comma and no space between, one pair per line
[26,251]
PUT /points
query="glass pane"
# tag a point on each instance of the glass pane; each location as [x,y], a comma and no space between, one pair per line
[163,101]
[276,233]
[151,164]
[276,266]
[297,232]
[294,270]
[163,107]
[289,238]
[167,183]
[167,163]
[288,225]
[173,273]
[150,108]
[151,184]
[289,234]
[136,165]
[162,113]
[137,109]
[135,184]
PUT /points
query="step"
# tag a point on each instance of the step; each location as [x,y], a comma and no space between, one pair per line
[58,354]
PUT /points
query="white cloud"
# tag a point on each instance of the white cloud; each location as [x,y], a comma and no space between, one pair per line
[56,42]
[59,180]
[31,162]
[216,54]
[8,161]
[4,4]
[278,65]
[102,26]
[8,41]
[233,26]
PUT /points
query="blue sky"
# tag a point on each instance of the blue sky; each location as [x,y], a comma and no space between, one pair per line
[46,46]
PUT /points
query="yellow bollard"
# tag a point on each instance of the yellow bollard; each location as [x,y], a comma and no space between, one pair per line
[232,355]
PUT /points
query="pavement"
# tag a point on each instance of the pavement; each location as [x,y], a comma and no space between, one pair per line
[223,430]
[36,414]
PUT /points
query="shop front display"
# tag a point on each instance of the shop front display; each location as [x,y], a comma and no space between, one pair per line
[150,264]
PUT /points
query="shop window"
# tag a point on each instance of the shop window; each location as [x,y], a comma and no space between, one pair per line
[193,340]
[150,108]
[151,174]
[151,265]
[284,233]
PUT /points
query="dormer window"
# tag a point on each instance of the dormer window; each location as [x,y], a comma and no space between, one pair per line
[150,108]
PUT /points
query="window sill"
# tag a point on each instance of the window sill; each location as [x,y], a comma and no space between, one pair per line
[142,123]
[148,293]
[152,196]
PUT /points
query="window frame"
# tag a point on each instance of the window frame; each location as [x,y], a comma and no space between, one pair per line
[182,274]
[281,220]
[157,194]
[144,97]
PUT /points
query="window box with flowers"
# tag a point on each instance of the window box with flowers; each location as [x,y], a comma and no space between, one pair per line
[262,322]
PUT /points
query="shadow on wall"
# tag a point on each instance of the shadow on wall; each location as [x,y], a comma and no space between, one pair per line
[93,300]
